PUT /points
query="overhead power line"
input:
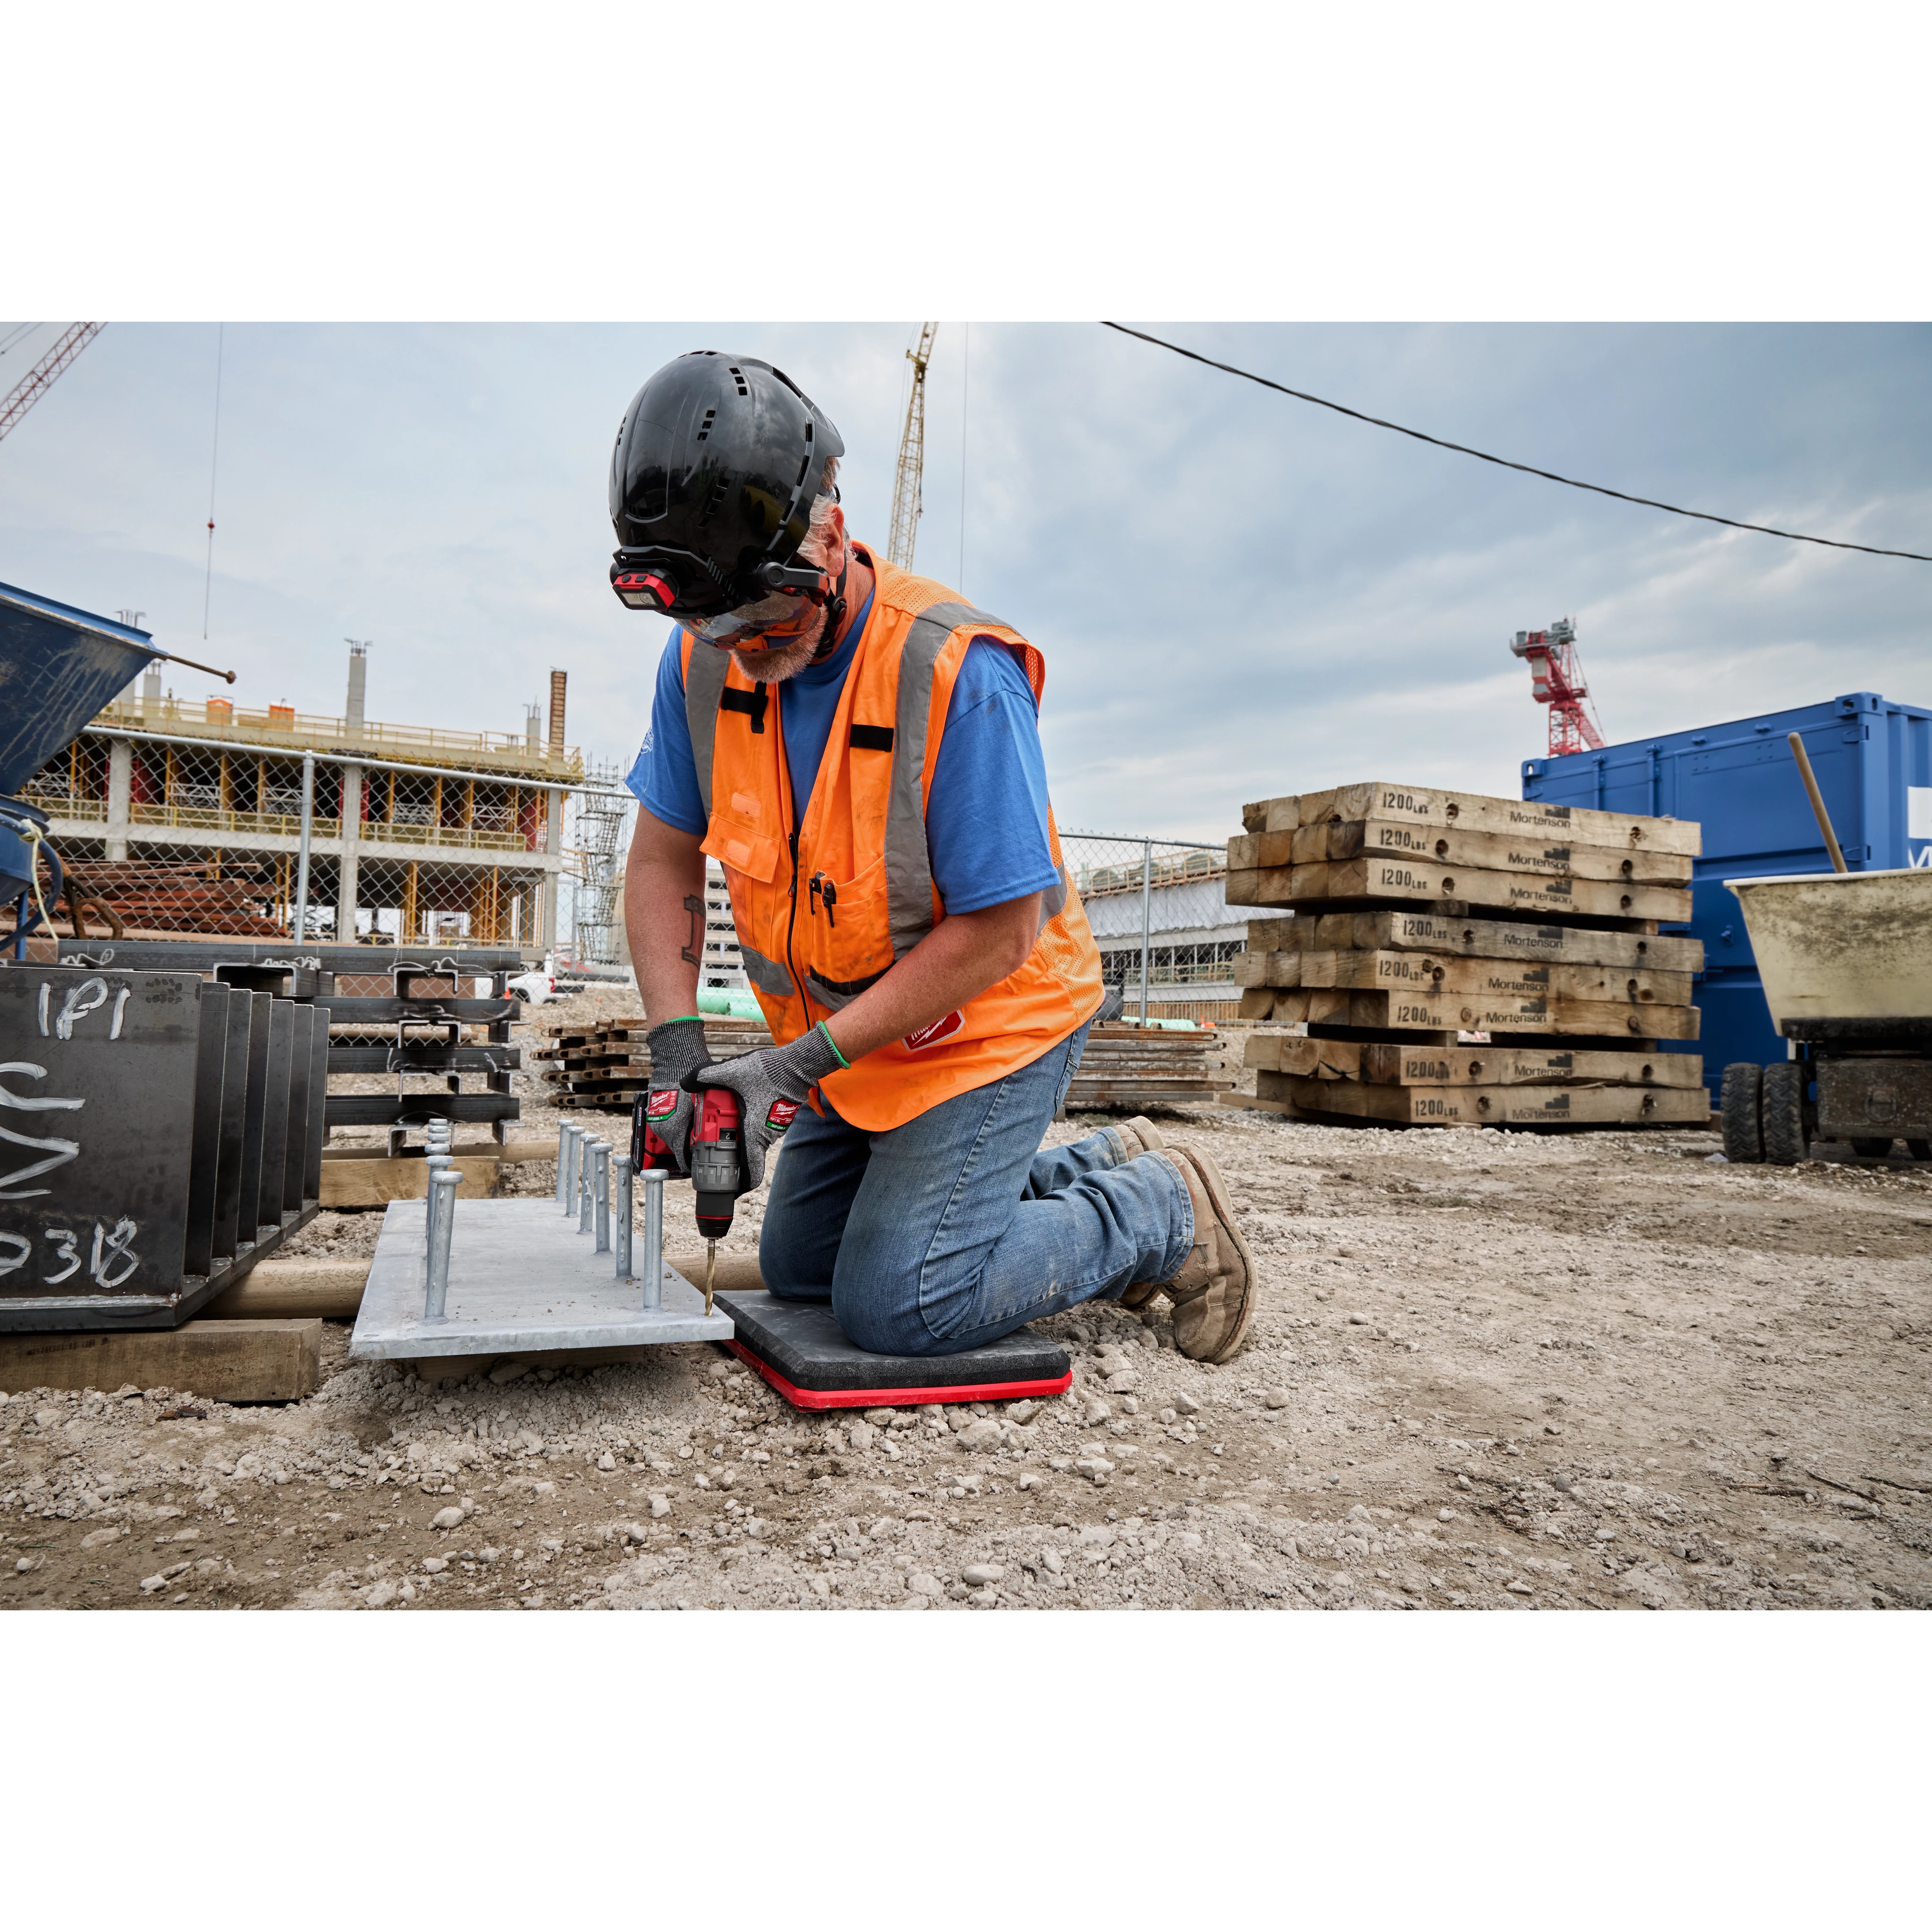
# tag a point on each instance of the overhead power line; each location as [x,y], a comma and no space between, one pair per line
[1528,470]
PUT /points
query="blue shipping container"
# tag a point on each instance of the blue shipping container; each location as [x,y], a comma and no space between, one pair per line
[1874,762]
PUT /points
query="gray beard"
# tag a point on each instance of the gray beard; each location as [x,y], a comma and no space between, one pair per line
[774,666]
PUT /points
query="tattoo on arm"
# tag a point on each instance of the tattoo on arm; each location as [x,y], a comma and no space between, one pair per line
[695,951]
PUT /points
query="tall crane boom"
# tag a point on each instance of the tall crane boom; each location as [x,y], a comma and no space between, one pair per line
[1556,680]
[906,503]
[40,378]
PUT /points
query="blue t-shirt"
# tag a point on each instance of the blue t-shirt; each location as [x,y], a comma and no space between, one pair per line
[985,817]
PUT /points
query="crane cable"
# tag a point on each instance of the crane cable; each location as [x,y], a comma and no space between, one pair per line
[1528,470]
[214,457]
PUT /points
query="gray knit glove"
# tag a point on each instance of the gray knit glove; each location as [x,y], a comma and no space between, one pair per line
[678,1047]
[771,1086]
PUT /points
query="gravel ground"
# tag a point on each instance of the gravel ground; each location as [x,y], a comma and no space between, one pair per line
[1502,1371]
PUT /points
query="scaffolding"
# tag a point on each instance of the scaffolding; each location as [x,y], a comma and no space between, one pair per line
[411,836]
[597,914]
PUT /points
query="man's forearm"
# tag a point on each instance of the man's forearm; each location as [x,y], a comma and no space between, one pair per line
[664,917]
[956,961]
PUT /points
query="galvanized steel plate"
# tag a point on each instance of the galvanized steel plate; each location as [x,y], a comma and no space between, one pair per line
[521,1278]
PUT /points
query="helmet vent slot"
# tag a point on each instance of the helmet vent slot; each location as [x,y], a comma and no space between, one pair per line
[715,501]
[738,376]
[706,430]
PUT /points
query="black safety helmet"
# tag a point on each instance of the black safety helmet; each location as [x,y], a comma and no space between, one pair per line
[718,460]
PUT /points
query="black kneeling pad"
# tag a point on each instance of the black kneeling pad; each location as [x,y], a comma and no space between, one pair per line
[803,1353]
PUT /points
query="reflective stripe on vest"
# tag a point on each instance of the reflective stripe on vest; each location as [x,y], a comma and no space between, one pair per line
[706,669]
[908,857]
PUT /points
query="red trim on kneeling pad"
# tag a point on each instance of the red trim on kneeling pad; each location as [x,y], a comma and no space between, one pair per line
[896,1398]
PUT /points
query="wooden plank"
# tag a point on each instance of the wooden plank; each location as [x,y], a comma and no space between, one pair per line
[1296,1053]
[1271,814]
[1474,1013]
[1493,1106]
[1494,979]
[1421,805]
[1491,851]
[1387,1066]
[229,1361]
[1249,886]
[1482,939]
[1412,879]
[1254,1104]
[1252,968]
[375,1182]
[299,1285]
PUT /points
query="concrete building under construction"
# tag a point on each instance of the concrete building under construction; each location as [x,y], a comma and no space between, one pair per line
[186,816]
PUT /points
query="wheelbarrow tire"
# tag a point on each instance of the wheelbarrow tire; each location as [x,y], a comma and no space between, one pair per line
[1781,1112]
[1871,1146]
[1743,1139]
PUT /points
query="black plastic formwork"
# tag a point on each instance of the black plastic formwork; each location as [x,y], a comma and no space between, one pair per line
[159,1134]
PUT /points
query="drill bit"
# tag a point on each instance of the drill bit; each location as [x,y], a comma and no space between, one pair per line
[710,1272]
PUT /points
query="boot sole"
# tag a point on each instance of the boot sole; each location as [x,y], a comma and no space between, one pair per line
[1224,1213]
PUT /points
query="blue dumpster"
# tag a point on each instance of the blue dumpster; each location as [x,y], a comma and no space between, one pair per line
[1873,760]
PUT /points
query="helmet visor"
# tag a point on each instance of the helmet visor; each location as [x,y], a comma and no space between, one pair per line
[776,619]
[772,620]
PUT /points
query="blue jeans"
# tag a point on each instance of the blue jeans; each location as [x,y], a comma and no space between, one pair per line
[957,1228]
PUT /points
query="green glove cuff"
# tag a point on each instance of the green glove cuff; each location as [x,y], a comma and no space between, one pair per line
[834,1045]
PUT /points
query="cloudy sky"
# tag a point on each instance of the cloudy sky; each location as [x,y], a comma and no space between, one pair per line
[1238,595]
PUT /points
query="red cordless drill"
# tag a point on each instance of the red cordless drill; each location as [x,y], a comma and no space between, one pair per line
[717,1162]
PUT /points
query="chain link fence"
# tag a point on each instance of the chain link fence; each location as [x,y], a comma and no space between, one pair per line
[1160,918]
[169,837]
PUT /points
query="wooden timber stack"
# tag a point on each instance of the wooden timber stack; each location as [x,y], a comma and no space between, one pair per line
[609,1066]
[1455,959]
[1124,1067]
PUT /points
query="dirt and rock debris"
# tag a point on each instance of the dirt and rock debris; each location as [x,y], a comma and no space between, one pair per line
[1490,1370]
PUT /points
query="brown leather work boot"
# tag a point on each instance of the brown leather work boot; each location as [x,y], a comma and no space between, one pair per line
[1142,1136]
[1215,1293]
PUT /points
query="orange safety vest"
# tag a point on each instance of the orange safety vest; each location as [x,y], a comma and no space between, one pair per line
[824,909]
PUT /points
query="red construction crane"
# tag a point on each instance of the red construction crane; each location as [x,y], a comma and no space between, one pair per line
[1556,680]
[38,380]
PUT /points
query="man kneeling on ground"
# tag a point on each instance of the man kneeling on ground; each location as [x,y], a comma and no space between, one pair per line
[859,748]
